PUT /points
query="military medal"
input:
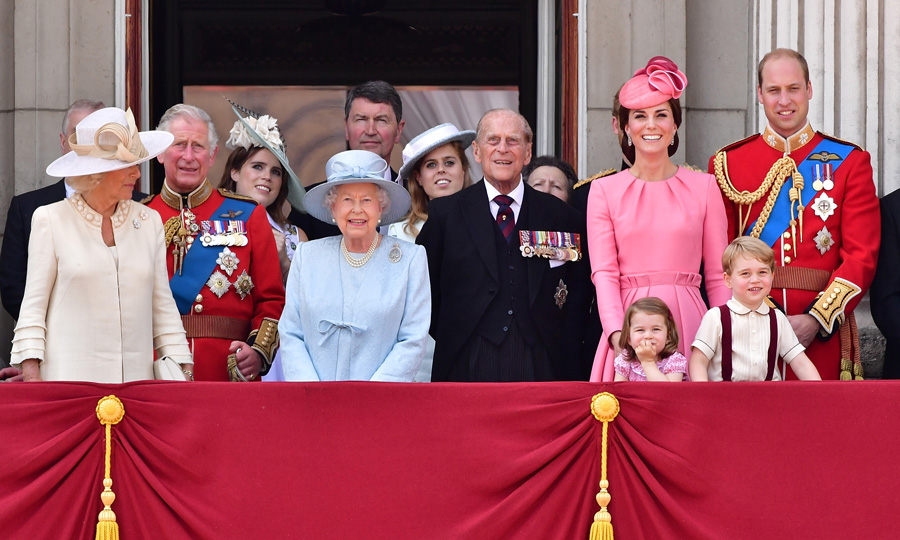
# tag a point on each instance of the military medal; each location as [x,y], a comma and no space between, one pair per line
[562,293]
[227,261]
[824,174]
[243,284]
[824,241]
[223,233]
[218,284]
[395,254]
[828,183]
[824,206]
[557,246]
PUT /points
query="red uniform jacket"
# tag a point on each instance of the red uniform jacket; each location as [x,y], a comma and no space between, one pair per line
[848,250]
[253,317]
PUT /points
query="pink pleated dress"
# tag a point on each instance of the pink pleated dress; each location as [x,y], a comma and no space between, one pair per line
[649,239]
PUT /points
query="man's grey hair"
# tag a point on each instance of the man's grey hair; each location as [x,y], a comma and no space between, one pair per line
[526,127]
[183,110]
[86,105]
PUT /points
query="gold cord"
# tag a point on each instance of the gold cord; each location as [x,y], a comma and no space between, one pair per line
[110,410]
[605,408]
[773,182]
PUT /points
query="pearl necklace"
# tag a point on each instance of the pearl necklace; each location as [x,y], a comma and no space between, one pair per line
[357,263]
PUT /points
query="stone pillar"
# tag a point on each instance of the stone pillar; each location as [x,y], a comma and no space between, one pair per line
[52,52]
[621,36]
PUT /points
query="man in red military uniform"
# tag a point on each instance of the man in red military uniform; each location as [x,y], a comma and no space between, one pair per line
[222,260]
[812,198]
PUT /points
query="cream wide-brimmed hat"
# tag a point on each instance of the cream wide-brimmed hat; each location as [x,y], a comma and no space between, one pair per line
[357,167]
[108,140]
[428,140]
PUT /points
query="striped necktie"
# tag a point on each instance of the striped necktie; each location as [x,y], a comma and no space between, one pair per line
[506,220]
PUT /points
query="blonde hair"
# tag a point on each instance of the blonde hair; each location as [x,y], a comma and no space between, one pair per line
[651,306]
[83,184]
[418,208]
[749,248]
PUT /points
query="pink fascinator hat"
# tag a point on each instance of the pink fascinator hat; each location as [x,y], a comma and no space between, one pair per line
[657,83]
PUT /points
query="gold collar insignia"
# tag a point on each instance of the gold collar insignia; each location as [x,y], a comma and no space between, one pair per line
[194,198]
[792,143]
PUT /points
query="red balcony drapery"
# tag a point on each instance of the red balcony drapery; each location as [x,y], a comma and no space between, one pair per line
[436,461]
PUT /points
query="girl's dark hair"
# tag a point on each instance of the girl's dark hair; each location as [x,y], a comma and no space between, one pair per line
[236,160]
[652,306]
[628,150]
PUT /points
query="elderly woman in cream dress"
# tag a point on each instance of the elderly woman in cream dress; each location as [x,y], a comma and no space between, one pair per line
[97,299]
[358,306]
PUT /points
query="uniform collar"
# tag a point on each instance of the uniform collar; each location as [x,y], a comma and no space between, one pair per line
[792,143]
[191,200]
[741,309]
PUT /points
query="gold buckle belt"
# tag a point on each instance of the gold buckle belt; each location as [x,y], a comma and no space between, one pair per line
[214,326]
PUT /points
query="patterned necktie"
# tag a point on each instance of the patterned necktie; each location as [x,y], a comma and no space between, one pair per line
[506,220]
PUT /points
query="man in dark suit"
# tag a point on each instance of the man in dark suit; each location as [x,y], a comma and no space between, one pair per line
[885,291]
[498,314]
[373,121]
[14,253]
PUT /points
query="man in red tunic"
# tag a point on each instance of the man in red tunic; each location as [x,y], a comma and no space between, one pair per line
[812,198]
[222,260]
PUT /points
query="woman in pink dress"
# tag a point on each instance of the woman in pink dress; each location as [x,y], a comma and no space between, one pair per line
[651,227]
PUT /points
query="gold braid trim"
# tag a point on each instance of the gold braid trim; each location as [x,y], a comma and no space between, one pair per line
[265,340]
[171,228]
[600,174]
[831,303]
[774,180]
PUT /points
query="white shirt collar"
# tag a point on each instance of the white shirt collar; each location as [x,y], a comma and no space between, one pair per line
[517,194]
[739,308]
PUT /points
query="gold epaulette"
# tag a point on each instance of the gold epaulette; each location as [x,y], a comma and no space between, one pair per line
[835,139]
[232,195]
[735,144]
[147,199]
[171,228]
[828,309]
[600,174]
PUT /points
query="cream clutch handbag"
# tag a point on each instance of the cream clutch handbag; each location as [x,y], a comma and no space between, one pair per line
[166,369]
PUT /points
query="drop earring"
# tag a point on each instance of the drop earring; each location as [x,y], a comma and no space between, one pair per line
[629,138]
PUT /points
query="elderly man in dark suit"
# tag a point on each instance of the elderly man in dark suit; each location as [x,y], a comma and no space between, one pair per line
[500,310]
[14,253]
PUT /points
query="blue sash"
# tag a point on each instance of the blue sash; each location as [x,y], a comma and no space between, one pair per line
[780,218]
[200,260]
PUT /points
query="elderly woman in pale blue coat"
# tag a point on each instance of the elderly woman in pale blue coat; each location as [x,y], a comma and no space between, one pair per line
[357,306]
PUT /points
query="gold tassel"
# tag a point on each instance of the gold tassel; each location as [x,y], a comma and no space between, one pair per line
[110,411]
[605,408]
[846,366]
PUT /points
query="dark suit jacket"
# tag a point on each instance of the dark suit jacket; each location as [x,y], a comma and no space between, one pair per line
[885,290]
[462,261]
[14,253]
[315,228]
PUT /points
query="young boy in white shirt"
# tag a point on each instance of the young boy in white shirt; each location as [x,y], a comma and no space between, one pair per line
[744,342]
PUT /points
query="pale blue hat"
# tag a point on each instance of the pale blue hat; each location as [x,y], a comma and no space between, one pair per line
[357,167]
